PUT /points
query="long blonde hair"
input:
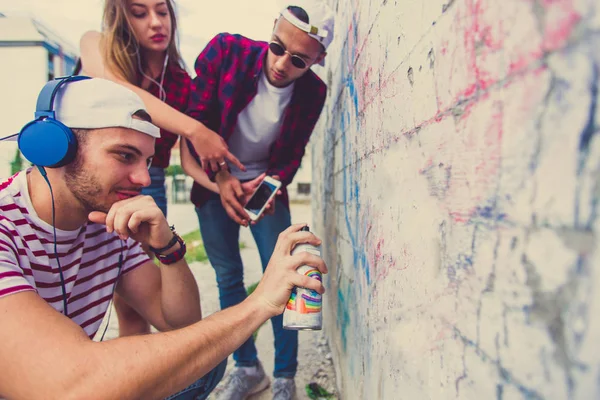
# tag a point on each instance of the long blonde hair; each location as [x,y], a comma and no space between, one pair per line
[120,46]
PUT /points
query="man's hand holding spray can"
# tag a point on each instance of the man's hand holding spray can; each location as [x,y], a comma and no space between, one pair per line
[303,310]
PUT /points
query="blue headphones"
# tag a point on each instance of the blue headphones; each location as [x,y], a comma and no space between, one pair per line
[46,142]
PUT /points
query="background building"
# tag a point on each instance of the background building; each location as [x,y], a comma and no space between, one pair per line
[31,55]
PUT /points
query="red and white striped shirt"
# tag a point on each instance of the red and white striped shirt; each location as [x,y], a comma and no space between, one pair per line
[89,258]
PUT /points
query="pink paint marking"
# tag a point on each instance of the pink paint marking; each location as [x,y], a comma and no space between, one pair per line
[557,35]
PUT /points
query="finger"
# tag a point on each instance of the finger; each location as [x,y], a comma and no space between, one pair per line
[229,201]
[238,209]
[269,210]
[110,217]
[232,214]
[121,221]
[97,217]
[235,161]
[256,181]
[234,199]
[237,189]
[291,229]
[145,208]
[205,164]
[307,282]
[250,186]
[214,165]
[306,258]
[135,221]
[295,238]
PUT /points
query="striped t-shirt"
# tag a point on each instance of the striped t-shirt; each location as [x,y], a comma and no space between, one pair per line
[89,257]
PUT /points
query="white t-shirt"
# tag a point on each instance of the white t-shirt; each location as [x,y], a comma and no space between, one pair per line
[89,258]
[258,126]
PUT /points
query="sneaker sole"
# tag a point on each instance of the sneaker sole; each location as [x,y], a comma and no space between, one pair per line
[262,385]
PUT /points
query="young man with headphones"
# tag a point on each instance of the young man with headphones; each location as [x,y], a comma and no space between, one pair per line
[264,100]
[71,231]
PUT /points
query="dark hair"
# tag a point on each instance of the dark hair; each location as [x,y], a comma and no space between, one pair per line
[299,13]
[143,115]
[81,136]
[77,68]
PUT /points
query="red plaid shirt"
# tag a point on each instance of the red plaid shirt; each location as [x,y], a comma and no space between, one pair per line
[177,88]
[227,72]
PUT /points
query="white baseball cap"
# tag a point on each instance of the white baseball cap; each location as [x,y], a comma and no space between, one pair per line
[320,19]
[100,103]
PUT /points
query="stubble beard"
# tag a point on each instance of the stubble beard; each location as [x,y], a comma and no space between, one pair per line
[85,186]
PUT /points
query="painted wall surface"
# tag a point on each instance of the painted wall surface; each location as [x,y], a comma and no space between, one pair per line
[456,177]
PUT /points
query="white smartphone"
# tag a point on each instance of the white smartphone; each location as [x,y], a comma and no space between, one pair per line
[264,192]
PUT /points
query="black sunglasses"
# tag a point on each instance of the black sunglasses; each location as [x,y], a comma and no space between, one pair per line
[279,50]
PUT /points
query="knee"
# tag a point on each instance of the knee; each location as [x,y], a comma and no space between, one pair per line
[220,370]
[229,277]
[215,376]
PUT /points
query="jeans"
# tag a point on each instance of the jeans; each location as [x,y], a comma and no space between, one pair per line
[221,241]
[157,189]
[200,389]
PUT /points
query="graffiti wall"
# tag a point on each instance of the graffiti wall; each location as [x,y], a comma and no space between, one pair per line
[456,176]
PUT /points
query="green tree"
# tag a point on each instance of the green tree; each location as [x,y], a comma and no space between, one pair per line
[16,164]
[174,169]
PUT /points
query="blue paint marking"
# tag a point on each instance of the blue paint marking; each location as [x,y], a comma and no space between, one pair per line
[351,187]
[343,317]
[504,373]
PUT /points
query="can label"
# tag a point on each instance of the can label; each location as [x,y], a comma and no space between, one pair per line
[306,301]
[303,309]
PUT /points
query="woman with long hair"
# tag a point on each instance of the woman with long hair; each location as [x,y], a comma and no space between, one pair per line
[138,49]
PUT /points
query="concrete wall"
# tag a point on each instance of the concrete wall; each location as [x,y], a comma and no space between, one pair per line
[23,72]
[456,187]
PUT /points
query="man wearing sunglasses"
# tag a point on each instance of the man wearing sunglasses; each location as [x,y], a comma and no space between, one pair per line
[264,100]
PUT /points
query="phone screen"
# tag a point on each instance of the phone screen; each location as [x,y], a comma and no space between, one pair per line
[260,197]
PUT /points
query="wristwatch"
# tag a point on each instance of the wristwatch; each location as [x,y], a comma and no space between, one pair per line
[174,256]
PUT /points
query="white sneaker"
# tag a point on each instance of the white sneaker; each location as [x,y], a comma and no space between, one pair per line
[284,389]
[242,385]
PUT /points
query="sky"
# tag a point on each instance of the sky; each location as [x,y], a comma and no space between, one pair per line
[198,20]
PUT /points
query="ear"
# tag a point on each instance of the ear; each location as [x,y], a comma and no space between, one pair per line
[320,58]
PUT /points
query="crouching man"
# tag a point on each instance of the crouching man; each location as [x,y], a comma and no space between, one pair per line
[71,233]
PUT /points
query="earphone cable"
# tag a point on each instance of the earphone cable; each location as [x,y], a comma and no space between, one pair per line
[60,271]
[162,94]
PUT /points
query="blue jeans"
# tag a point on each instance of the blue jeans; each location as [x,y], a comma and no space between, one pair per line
[221,241]
[200,389]
[157,188]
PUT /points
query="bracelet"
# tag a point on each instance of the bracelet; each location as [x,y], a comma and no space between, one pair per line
[169,245]
[175,256]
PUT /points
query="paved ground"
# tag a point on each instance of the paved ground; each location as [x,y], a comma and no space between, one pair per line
[314,357]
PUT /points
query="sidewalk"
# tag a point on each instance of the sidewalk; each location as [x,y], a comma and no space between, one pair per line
[314,358]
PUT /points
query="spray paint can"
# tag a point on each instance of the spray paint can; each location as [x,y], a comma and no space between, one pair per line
[303,310]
